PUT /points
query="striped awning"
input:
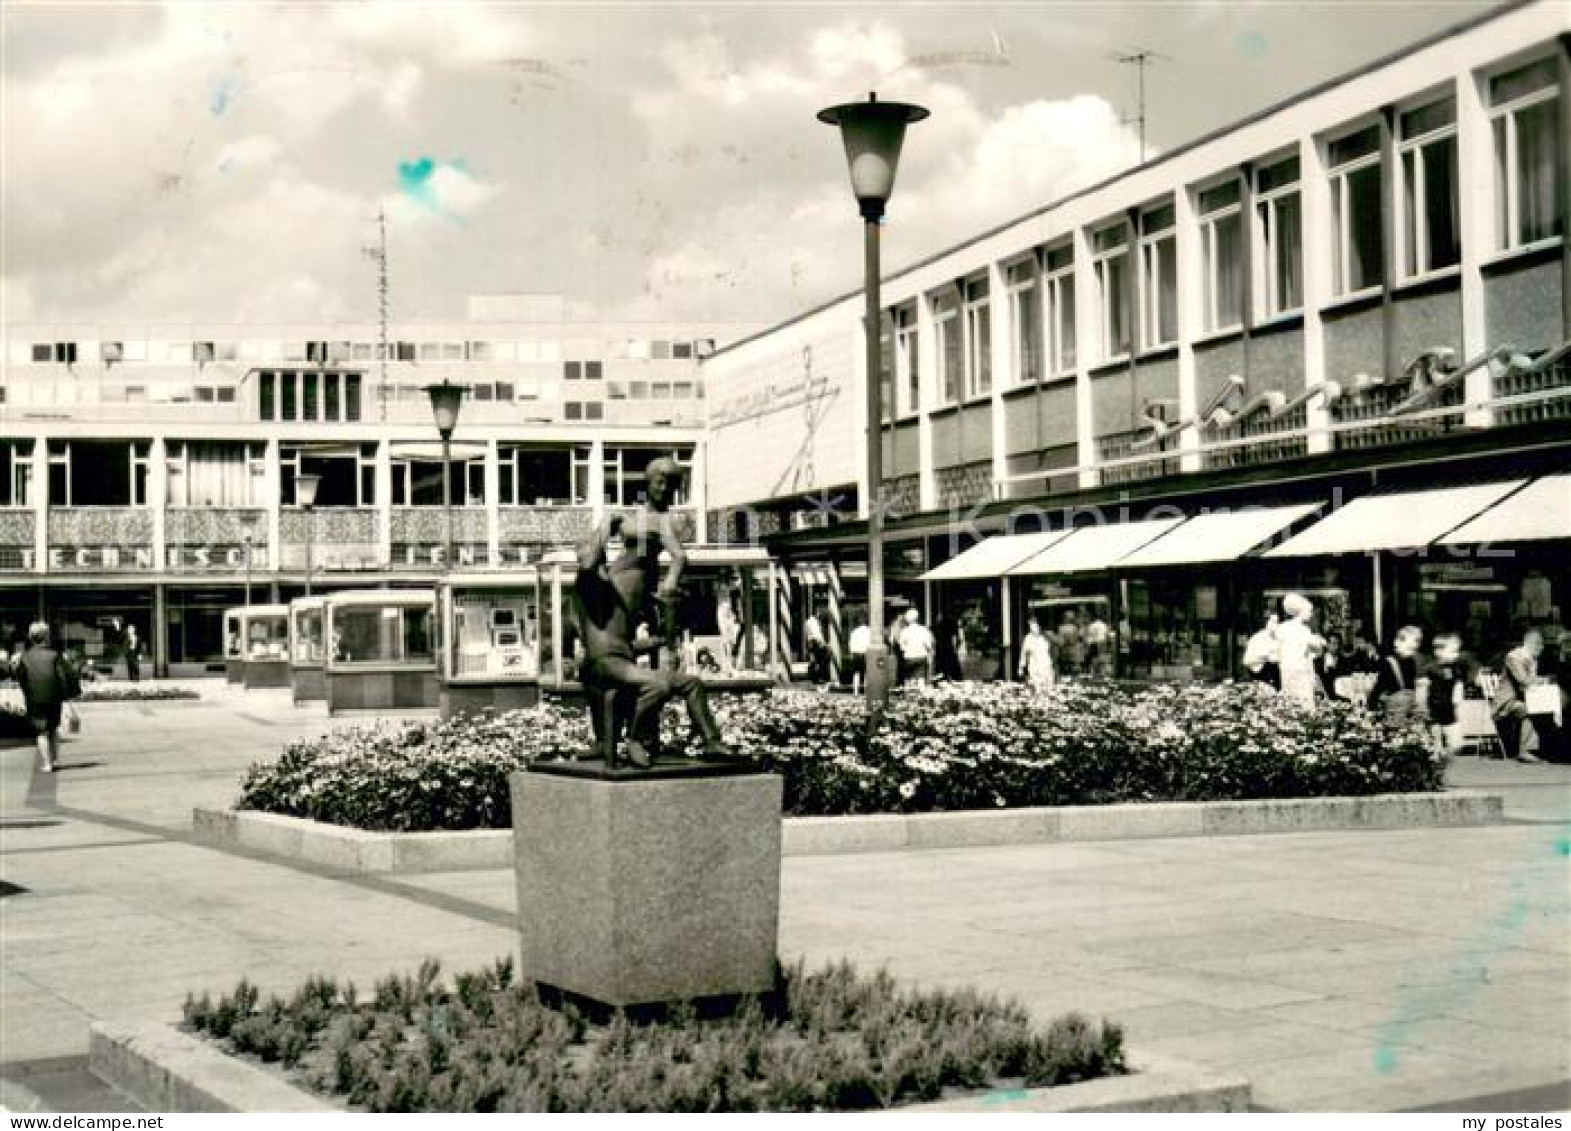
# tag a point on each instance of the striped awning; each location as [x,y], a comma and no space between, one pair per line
[1398,521]
[1221,537]
[994,557]
[1541,511]
[1092,548]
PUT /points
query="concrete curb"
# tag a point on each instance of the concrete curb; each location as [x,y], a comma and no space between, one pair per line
[163,1069]
[355,850]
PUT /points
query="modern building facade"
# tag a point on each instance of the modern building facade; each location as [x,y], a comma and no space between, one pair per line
[1364,289]
[147,473]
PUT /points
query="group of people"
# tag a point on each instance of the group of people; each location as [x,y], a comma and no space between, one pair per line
[914,650]
[1305,666]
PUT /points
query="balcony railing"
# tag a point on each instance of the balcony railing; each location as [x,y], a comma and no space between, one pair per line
[1259,440]
[1132,466]
[1374,403]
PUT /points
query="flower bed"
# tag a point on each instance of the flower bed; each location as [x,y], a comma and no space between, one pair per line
[828,1041]
[965,746]
[135,693]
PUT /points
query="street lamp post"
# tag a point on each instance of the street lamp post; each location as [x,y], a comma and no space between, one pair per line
[446,400]
[305,498]
[872,132]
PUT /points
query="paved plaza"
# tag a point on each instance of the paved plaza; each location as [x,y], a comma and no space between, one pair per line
[1348,970]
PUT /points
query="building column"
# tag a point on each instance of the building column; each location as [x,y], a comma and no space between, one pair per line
[597,478]
[1187,271]
[1315,192]
[39,486]
[158,502]
[1476,213]
[1006,373]
[160,631]
[1087,320]
[1564,159]
[273,496]
[698,491]
[927,397]
[493,502]
[382,474]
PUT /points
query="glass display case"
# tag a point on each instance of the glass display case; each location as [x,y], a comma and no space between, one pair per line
[256,645]
[381,650]
[307,679]
[495,636]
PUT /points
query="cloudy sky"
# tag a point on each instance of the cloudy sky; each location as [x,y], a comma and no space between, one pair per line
[226,161]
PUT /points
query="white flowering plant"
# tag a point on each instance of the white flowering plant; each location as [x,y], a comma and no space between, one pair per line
[950,747]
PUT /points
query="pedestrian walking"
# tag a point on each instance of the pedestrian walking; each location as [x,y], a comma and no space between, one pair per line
[917,647]
[1298,646]
[817,650]
[1036,658]
[133,654]
[1395,693]
[48,682]
[1261,654]
[1445,681]
[861,640]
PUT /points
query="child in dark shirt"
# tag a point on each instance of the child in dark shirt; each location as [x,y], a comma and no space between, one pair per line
[1445,678]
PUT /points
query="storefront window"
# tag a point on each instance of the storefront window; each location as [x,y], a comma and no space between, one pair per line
[1078,621]
[266,636]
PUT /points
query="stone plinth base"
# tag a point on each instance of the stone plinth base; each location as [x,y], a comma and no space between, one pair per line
[644,889]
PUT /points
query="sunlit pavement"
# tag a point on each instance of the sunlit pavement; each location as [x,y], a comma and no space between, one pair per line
[1356,971]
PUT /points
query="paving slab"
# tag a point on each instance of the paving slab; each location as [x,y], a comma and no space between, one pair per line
[1368,970]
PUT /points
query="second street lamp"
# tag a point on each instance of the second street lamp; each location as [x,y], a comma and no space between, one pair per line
[446,400]
[305,499]
[873,132]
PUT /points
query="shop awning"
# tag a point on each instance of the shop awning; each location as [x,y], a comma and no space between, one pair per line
[994,557]
[1399,521]
[1220,537]
[1539,512]
[1095,547]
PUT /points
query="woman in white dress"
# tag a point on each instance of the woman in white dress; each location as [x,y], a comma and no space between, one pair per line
[1036,658]
[1298,646]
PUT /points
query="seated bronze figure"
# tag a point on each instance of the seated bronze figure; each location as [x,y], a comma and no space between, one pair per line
[625,699]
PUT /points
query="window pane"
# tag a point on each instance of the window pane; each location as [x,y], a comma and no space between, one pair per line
[1167,291]
[950,357]
[1514,84]
[1444,248]
[1066,323]
[351,397]
[1157,220]
[1416,123]
[1224,275]
[1060,257]
[1503,233]
[1115,302]
[1028,336]
[1354,146]
[312,395]
[267,394]
[288,381]
[1412,263]
[1222,196]
[1277,176]
[1539,193]
[1287,255]
[1109,238]
[1360,199]
[982,329]
[331,410]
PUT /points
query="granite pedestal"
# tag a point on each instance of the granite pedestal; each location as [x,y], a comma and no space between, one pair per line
[646,888]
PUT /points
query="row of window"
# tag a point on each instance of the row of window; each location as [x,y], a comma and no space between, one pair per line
[218,473]
[1255,218]
[332,352]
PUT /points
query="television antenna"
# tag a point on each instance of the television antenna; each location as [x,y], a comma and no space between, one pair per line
[1140,58]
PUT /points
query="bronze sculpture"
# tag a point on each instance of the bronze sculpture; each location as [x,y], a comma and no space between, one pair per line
[608,597]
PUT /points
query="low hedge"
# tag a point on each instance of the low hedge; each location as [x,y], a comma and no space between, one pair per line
[953,747]
[831,1040]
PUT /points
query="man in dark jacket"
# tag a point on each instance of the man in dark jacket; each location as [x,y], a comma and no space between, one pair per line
[41,673]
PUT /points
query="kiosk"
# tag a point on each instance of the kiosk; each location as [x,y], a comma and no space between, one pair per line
[381,650]
[256,646]
[307,680]
[495,634]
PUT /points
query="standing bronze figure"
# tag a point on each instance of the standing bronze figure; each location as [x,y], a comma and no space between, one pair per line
[609,596]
